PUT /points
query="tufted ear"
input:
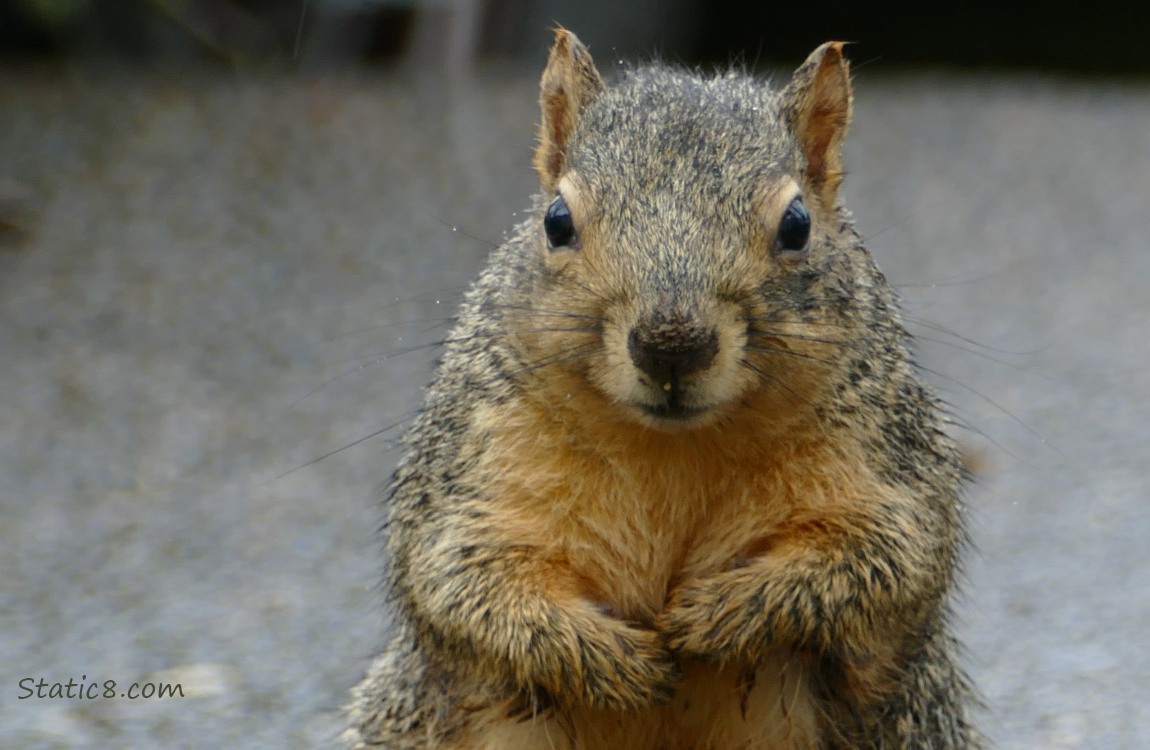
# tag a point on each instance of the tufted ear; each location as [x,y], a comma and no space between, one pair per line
[817,107]
[570,82]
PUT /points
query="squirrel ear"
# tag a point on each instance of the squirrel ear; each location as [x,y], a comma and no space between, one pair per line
[817,106]
[570,82]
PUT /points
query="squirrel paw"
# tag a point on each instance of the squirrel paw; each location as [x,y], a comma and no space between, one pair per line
[629,668]
[718,618]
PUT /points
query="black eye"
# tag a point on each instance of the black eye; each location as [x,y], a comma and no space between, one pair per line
[794,228]
[558,225]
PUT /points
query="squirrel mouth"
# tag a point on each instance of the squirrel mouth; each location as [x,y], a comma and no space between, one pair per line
[672,411]
[672,408]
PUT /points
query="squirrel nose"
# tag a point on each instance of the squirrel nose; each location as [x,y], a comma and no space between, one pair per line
[668,347]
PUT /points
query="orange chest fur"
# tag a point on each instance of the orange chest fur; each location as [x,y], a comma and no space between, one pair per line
[628,522]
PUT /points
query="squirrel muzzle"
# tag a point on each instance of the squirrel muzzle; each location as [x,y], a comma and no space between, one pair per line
[669,348]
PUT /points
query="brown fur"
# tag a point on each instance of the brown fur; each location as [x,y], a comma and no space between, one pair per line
[752,553]
[569,84]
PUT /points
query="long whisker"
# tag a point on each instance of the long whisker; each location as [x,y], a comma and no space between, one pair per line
[377,357]
[436,323]
[583,285]
[788,352]
[784,321]
[962,423]
[549,313]
[365,362]
[1017,420]
[984,355]
[758,333]
[967,339]
[368,360]
[772,379]
[565,355]
[570,354]
[341,449]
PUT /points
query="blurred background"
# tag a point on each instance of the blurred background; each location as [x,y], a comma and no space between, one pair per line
[233,232]
[1076,38]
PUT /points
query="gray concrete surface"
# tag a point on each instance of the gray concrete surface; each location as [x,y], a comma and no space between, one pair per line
[207,282]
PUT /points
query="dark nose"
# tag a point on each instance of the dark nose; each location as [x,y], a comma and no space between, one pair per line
[668,346]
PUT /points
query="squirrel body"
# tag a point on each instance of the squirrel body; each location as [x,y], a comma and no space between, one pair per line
[676,483]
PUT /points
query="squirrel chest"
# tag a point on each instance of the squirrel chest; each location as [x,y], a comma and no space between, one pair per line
[624,517]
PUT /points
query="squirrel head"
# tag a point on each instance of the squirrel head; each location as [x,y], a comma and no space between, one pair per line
[689,233]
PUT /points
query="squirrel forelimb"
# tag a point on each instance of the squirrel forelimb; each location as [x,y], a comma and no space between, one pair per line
[833,584]
[517,616]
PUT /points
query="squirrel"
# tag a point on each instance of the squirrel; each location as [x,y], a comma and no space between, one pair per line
[676,483]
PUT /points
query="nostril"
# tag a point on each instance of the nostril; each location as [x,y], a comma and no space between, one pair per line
[665,358]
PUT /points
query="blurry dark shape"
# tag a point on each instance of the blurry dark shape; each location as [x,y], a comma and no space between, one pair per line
[307,34]
[1055,36]
[16,214]
[225,28]
[32,27]
[310,34]
[424,33]
[327,34]
[152,30]
[613,29]
[235,32]
[447,33]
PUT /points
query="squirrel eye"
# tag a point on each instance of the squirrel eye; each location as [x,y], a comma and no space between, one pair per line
[794,228]
[559,226]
